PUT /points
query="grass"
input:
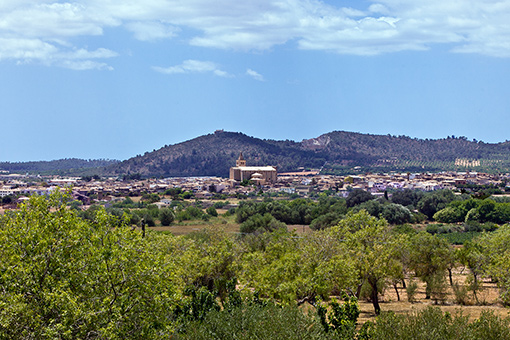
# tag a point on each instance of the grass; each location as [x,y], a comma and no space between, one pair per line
[459,237]
[186,227]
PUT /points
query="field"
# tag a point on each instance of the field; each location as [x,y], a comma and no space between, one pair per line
[186,227]
[488,296]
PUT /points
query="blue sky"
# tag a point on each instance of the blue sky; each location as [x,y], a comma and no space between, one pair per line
[116,78]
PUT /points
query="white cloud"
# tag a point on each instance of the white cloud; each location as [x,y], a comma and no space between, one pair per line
[193,66]
[82,65]
[44,30]
[41,31]
[150,31]
[34,50]
[255,75]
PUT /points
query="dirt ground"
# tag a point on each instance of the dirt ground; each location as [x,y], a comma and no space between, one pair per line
[487,300]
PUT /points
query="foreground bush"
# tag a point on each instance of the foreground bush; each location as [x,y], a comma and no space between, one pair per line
[432,323]
[256,322]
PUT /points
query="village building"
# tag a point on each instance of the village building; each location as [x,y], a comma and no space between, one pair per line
[259,174]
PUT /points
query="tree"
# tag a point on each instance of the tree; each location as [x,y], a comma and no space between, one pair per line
[212,211]
[64,277]
[204,258]
[325,221]
[293,269]
[358,196]
[448,215]
[166,216]
[261,223]
[407,197]
[430,258]
[372,247]
[494,246]
[472,256]
[435,201]
[396,214]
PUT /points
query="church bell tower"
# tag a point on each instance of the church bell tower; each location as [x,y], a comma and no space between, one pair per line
[240,161]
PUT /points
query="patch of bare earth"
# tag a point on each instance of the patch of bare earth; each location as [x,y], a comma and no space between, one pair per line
[487,300]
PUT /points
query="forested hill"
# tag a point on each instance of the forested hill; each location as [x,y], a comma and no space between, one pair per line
[67,165]
[410,154]
[214,154]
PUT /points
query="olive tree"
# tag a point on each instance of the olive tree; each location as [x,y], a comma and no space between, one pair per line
[68,278]
[373,249]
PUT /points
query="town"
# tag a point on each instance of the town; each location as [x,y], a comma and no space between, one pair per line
[244,181]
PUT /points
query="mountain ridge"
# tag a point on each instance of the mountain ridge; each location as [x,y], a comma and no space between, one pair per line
[336,152]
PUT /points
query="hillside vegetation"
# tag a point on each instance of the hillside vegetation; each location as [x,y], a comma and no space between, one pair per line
[214,154]
[60,166]
[336,153]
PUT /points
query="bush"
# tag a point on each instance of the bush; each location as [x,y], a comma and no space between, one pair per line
[461,294]
[342,318]
[255,321]
[432,323]
[166,216]
[261,223]
[212,211]
[411,289]
[432,229]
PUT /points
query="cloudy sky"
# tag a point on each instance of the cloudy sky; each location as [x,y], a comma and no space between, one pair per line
[116,78]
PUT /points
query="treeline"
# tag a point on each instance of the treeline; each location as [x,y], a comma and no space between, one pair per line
[56,165]
[476,212]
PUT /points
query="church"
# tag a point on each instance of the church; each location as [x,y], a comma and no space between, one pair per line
[258,174]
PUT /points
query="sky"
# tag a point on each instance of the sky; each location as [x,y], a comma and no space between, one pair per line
[110,79]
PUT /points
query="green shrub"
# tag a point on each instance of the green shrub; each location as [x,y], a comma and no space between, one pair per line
[212,211]
[432,323]
[254,321]
[412,289]
[461,294]
[432,229]
[166,216]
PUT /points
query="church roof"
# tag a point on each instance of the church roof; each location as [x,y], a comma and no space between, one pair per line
[255,168]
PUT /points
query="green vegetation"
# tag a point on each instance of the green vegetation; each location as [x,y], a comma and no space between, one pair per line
[63,277]
[92,275]
[431,323]
[340,153]
[59,167]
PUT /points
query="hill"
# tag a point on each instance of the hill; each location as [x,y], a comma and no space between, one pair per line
[214,154]
[401,153]
[337,152]
[60,166]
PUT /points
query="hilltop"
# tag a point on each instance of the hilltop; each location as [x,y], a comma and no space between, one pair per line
[214,154]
